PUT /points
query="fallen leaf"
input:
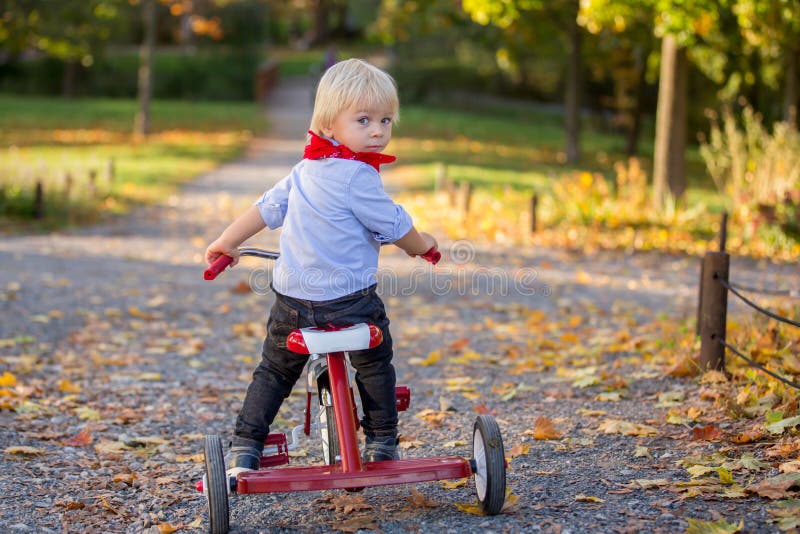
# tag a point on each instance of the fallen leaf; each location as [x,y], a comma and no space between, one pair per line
[587,498]
[357,523]
[786,515]
[23,450]
[641,452]
[432,417]
[697,526]
[453,484]
[433,358]
[68,387]
[778,427]
[792,466]
[242,288]
[519,450]
[7,380]
[714,377]
[647,483]
[455,443]
[418,500]
[167,528]
[617,426]
[543,428]
[81,439]
[706,433]
[480,408]
[125,478]
[776,487]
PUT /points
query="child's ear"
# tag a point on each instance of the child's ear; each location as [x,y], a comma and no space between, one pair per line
[327,132]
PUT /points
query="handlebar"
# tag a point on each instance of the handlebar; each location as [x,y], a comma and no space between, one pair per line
[220,264]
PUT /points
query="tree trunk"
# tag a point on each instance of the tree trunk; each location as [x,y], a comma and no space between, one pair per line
[71,67]
[791,91]
[321,28]
[141,125]
[669,170]
[572,103]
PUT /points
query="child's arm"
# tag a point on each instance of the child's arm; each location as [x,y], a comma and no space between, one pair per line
[245,226]
[416,243]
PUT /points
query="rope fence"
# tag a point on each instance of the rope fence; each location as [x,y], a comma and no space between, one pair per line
[712,310]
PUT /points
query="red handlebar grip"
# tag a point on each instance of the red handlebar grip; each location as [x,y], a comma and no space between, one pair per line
[219,265]
[432,256]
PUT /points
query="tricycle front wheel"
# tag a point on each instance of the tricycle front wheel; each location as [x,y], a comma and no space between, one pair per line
[490,464]
[216,486]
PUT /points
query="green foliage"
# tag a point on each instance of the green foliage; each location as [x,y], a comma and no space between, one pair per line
[748,162]
[69,30]
[205,74]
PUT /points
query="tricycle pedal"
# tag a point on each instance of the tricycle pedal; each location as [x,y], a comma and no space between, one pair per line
[403,394]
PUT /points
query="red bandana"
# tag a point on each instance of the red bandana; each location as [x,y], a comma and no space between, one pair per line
[320,148]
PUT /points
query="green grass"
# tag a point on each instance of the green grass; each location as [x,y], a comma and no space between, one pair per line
[519,145]
[43,139]
[21,114]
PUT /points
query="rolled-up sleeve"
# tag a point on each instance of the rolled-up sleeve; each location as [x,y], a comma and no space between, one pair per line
[273,204]
[387,221]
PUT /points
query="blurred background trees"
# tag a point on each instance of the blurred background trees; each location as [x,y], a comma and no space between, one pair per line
[678,84]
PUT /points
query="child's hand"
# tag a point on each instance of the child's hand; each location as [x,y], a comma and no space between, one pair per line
[430,241]
[217,249]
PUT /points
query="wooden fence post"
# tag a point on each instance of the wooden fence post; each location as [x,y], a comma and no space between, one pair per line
[93,183]
[441,178]
[465,196]
[38,201]
[534,204]
[67,186]
[110,171]
[713,311]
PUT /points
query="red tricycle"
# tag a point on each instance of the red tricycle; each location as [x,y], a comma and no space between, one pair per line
[328,381]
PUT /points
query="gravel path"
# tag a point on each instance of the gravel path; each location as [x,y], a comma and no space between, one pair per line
[124,357]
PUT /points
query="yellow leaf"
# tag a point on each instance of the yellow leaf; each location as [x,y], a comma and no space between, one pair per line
[617,426]
[647,483]
[587,498]
[470,508]
[110,447]
[68,387]
[714,377]
[641,452]
[453,484]
[608,396]
[23,450]
[87,414]
[697,526]
[150,377]
[591,413]
[8,380]
[433,358]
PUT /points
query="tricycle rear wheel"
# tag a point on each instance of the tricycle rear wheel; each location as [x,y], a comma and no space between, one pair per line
[490,464]
[216,486]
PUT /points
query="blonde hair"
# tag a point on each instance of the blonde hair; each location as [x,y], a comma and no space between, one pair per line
[352,82]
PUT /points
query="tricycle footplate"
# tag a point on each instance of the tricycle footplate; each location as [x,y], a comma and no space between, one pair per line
[372,474]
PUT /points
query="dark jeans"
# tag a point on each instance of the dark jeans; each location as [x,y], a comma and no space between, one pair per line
[279,369]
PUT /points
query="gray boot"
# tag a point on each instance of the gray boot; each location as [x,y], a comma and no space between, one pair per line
[380,449]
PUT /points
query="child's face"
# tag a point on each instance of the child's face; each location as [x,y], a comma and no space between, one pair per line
[362,130]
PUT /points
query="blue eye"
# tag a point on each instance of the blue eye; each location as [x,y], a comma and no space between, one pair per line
[363,120]
[386,120]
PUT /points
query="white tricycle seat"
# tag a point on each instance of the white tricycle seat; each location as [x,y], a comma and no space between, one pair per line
[322,340]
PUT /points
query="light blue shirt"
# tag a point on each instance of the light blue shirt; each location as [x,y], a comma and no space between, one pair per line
[335,215]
